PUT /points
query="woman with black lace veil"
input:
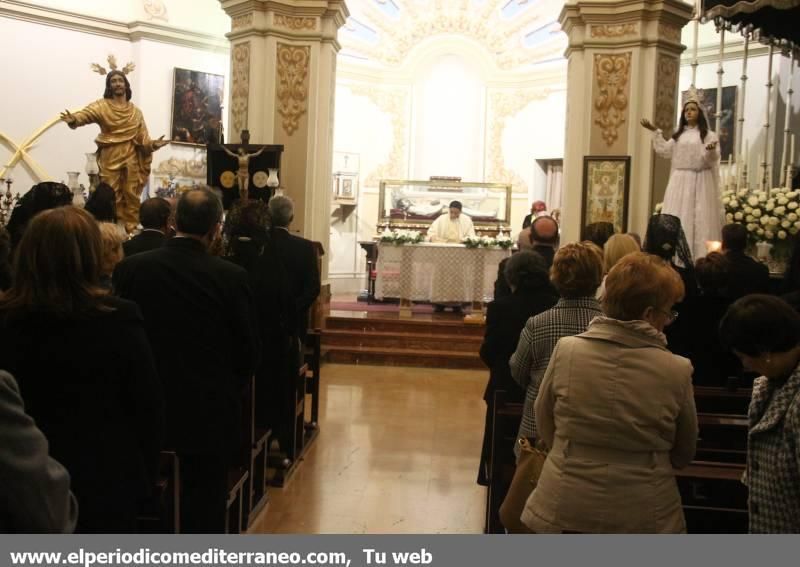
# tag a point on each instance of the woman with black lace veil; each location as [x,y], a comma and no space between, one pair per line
[665,238]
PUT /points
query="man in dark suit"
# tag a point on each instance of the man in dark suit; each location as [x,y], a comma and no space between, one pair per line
[538,208]
[745,275]
[199,316]
[299,258]
[154,215]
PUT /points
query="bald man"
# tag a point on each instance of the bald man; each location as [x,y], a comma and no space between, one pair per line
[542,237]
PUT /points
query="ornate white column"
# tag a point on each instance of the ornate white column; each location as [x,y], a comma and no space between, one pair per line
[283,72]
[624,58]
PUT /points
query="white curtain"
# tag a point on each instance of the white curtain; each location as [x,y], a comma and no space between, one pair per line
[552,196]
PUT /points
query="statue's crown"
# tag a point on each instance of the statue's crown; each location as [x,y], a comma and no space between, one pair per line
[112,63]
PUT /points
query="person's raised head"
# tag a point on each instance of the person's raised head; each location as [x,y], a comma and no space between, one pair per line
[544,230]
[117,84]
[538,207]
[734,237]
[198,213]
[102,203]
[764,332]
[526,270]
[713,271]
[455,209]
[57,264]
[154,214]
[598,232]
[642,287]
[281,211]
[577,270]
[618,246]
[112,254]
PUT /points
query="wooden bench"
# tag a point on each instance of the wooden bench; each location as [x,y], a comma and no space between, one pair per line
[313,359]
[711,399]
[714,498]
[161,514]
[502,462]
[284,462]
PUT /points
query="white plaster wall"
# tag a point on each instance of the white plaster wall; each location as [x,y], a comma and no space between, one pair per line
[50,74]
[68,82]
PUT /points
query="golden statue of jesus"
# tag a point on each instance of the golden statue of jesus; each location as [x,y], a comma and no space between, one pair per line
[124,148]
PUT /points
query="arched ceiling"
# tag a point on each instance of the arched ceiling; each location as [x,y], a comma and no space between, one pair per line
[516,33]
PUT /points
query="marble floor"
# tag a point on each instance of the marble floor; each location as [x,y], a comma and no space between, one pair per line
[397,453]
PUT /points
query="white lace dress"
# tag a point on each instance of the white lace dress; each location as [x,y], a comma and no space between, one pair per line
[693,193]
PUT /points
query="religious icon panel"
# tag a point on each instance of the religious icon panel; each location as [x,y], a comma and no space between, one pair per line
[605,190]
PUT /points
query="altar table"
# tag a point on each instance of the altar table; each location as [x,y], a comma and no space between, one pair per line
[439,273]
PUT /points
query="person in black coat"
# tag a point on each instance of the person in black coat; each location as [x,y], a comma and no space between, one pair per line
[154,215]
[199,316]
[249,245]
[299,258]
[85,369]
[526,273]
[745,275]
[694,334]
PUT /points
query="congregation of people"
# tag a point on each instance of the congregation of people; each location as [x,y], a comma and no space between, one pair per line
[116,349]
[602,341]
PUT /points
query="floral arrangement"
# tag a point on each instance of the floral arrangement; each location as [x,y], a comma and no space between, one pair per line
[400,237]
[502,241]
[770,216]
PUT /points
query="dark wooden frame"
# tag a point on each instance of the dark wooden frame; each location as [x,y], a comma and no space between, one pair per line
[587,160]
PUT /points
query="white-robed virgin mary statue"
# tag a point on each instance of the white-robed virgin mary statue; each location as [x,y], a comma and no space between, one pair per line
[693,192]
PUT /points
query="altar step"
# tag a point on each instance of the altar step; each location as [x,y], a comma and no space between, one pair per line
[399,342]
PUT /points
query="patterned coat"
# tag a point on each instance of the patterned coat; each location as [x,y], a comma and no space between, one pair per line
[773,456]
[567,318]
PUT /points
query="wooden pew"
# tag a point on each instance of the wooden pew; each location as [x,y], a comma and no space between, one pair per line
[161,514]
[714,498]
[313,358]
[283,463]
[239,482]
[712,399]
[502,462]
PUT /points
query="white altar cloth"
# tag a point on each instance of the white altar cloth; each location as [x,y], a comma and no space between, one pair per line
[439,273]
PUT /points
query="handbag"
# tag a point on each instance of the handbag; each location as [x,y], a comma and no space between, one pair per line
[526,477]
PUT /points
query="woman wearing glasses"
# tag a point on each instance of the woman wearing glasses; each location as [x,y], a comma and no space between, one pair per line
[617,410]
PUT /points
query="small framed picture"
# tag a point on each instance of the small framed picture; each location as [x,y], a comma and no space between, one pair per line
[606,180]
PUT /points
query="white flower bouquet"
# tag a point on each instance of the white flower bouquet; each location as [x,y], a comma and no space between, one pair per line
[401,237]
[771,217]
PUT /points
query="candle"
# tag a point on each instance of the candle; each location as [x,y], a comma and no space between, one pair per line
[791,152]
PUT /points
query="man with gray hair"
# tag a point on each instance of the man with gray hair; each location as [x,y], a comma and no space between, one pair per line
[299,258]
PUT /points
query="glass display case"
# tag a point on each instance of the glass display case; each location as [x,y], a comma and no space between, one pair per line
[411,204]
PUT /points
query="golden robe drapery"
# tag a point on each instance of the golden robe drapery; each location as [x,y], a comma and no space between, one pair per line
[124,152]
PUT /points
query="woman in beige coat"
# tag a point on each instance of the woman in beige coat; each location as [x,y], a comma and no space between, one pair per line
[617,410]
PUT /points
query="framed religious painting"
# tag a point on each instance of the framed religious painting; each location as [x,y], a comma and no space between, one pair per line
[197,107]
[606,181]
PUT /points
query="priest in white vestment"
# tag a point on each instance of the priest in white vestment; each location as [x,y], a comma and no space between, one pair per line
[452,226]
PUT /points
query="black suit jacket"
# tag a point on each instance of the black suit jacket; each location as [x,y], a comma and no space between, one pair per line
[144,241]
[199,316]
[300,260]
[505,319]
[695,335]
[746,275]
[526,222]
[90,383]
